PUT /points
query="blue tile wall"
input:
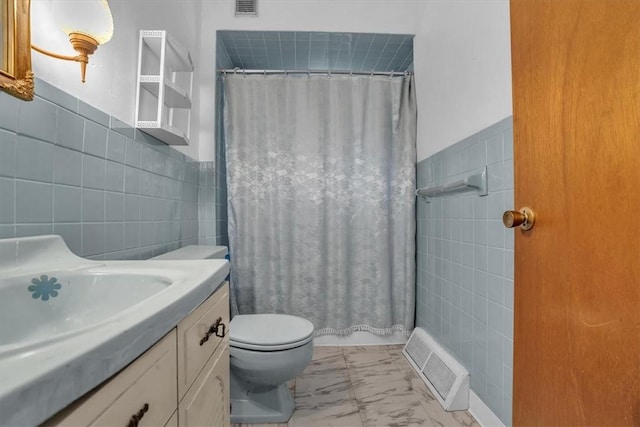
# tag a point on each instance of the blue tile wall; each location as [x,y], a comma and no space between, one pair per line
[110,191]
[223,60]
[464,294]
[316,51]
[207,204]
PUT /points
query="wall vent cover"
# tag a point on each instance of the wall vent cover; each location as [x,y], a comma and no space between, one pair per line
[447,379]
[246,7]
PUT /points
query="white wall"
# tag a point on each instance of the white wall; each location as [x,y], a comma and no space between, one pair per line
[462,61]
[111,74]
[462,56]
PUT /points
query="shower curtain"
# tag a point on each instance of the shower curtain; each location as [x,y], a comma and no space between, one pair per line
[321,180]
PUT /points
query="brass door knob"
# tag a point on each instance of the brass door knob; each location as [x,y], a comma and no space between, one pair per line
[525,218]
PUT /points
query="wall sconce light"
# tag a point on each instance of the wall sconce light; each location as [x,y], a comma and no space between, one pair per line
[88,23]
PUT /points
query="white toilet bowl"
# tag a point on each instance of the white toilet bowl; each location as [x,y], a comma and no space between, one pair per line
[266,351]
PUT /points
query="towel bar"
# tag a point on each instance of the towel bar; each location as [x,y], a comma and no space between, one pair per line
[476,182]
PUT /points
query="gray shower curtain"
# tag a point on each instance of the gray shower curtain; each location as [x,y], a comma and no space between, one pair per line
[321,180]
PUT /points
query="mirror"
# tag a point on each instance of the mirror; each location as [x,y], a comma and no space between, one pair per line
[16,76]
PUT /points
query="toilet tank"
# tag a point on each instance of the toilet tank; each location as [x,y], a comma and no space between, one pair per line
[195,252]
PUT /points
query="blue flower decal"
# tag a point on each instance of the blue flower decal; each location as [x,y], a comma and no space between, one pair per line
[44,287]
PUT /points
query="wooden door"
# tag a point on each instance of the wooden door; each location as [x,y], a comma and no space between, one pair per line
[576,100]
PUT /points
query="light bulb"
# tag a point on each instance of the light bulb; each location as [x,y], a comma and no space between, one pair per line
[89,17]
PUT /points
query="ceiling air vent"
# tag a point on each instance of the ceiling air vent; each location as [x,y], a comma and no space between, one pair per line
[246,7]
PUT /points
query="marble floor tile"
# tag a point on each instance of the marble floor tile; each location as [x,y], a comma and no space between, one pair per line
[322,351]
[394,349]
[409,374]
[372,386]
[390,387]
[315,391]
[326,360]
[260,425]
[373,359]
[343,415]
[395,414]
[441,417]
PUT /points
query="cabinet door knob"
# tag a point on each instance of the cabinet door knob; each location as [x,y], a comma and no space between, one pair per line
[525,218]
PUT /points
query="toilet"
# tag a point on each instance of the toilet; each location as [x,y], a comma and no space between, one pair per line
[266,351]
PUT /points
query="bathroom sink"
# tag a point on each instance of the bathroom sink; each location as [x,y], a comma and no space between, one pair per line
[36,310]
[68,323]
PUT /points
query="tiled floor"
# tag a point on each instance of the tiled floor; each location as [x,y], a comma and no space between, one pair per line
[365,387]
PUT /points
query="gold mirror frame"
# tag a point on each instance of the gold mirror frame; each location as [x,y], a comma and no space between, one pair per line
[18,80]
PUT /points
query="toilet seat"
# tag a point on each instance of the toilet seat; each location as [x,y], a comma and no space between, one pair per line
[269,332]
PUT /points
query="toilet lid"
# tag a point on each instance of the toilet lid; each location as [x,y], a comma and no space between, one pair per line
[269,330]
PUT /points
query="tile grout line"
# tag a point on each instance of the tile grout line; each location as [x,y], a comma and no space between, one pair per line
[353,389]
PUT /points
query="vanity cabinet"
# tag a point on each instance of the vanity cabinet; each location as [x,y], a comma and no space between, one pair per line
[207,401]
[146,386]
[164,86]
[203,364]
[182,381]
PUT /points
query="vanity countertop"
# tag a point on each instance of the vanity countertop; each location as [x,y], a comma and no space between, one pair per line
[45,366]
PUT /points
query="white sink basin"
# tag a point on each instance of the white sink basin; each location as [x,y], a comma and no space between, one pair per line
[67,323]
[34,310]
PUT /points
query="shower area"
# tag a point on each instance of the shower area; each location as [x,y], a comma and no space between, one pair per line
[315,176]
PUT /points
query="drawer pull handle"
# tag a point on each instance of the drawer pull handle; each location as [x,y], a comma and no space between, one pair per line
[221,334]
[218,328]
[135,418]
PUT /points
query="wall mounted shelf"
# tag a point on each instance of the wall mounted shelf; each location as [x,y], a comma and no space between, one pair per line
[173,95]
[164,85]
[165,133]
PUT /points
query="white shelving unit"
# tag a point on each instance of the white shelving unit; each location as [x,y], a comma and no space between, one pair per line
[163,91]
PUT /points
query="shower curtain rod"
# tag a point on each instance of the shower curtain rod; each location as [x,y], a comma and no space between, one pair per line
[328,72]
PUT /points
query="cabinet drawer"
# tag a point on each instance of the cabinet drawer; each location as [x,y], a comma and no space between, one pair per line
[207,401]
[149,380]
[195,343]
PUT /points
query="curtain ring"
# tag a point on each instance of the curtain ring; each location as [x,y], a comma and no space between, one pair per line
[350,74]
[371,76]
[329,72]
[244,73]
[391,75]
